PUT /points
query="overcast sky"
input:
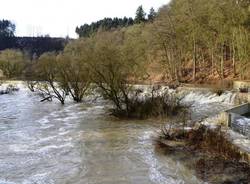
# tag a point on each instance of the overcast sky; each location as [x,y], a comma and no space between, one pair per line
[60,17]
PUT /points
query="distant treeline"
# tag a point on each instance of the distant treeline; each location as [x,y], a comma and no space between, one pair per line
[33,45]
[30,45]
[108,24]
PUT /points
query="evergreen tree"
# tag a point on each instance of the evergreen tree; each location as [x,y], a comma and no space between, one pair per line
[7,29]
[105,24]
[152,14]
[7,34]
[140,15]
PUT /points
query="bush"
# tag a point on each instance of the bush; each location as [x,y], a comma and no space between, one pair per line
[243,90]
[218,91]
[12,63]
[155,105]
[221,86]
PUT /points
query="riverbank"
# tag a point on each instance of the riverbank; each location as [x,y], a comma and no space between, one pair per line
[208,167]
[218,154]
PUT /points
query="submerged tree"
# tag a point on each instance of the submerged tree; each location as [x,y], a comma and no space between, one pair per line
[117,58]
[74,72]
[47,72]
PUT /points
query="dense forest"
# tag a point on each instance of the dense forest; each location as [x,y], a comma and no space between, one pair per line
[212,36]
[108,24]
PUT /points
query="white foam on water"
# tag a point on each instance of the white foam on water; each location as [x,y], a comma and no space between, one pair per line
[45,123]
[208,97]
[41,178]
[18,147]
[63,132]
[46,139]
[47,148]
[43,120]
[243,121]
[6,182]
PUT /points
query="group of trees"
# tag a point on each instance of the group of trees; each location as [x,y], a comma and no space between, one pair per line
[36,46]
[106,63]
[108,24]
[210,34]
[106,60]
[105,24]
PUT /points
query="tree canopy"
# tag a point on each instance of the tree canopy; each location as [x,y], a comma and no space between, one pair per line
[7,28]
[108,24]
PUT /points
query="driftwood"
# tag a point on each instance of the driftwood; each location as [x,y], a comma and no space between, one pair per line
[46,99]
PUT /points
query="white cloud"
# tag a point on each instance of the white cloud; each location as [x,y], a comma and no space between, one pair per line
[60,17]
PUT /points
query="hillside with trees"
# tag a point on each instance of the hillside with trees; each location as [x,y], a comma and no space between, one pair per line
[192,41]
[202,39]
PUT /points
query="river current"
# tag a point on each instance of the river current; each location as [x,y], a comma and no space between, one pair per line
[47,143]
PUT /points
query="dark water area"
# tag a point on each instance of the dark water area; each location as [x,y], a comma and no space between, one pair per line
[247,115]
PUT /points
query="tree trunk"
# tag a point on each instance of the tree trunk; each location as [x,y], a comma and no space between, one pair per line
[222,63]
[233,57]
[212,58]
[194,60]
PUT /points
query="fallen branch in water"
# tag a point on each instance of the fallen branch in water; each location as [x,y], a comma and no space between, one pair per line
[47,99]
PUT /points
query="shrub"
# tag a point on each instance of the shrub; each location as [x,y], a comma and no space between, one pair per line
[154,105]
[218,91]
[243,90]
[221,86]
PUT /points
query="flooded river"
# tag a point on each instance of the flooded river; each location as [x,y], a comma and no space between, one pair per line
[46,143]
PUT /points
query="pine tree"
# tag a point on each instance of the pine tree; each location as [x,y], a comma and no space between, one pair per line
[152,14]
[140,15]
[7,28]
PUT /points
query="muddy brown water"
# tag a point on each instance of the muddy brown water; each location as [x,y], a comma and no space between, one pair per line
[46,143]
